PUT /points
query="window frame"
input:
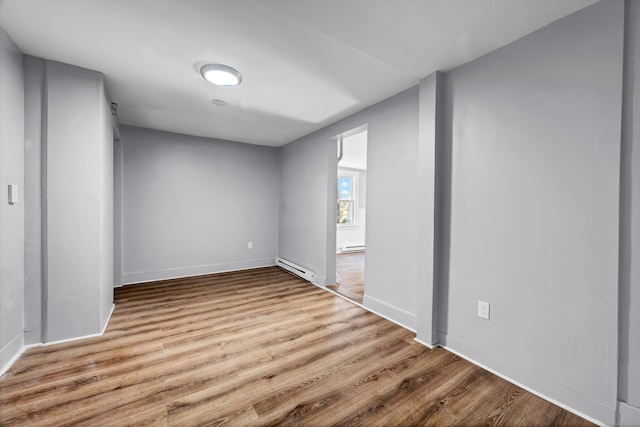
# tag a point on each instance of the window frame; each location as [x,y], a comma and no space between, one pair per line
[354,176]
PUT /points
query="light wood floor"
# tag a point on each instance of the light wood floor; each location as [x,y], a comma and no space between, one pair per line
[258,347]
[350,267]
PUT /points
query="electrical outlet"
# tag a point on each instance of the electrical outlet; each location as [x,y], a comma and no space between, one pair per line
[13,194]
[250,245]
[483,310]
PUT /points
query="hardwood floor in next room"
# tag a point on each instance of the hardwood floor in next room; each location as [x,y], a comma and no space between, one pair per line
[256,347]
[350,269]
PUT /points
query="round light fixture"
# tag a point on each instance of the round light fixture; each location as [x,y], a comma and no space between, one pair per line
[221,75]
[219,102]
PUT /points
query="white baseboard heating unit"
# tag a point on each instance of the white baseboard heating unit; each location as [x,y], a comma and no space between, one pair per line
[353,248]
[292,268]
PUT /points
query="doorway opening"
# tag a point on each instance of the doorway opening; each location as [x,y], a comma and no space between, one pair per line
[351,213]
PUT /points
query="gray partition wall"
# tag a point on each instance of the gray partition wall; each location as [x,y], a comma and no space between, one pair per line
[11,215]
[308,170]
[69,195]
[34,150]
[629,299]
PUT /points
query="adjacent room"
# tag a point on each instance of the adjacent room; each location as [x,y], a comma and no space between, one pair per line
[351,214]
[336,212]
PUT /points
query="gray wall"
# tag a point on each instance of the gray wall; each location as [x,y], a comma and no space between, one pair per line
[534,129]
[191,205]
[629,378]
[106,207]
[392,170]
[305,177]
[34,164]
[68,202]
[307,204]
[79,243]
[11,216]
[427,251]
[117,210]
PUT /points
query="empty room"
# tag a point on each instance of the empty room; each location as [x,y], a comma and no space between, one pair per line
[320,212]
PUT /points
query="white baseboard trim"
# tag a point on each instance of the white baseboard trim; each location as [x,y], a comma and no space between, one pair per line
[66,340]
[628,415]
[17,356]
[106,322]
[399,315]
[24,348]
[15,347]
[529,389]
[198,270]
[429,346]
[319,281]
[339,295]
[99,334]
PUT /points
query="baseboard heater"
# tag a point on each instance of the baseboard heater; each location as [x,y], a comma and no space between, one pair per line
[292,268]
[354,248]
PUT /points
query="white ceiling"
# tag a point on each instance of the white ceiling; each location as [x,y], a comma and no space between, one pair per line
[305,63]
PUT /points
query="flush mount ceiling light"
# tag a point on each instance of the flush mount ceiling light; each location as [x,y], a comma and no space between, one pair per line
[221,75]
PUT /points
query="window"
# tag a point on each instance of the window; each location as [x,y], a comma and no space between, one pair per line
[347,197]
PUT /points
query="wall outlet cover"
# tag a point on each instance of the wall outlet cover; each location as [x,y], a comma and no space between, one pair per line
[483,309]
[13,194]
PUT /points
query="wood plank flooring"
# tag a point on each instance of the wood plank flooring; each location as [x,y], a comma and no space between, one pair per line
[257,347]
[350,267]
